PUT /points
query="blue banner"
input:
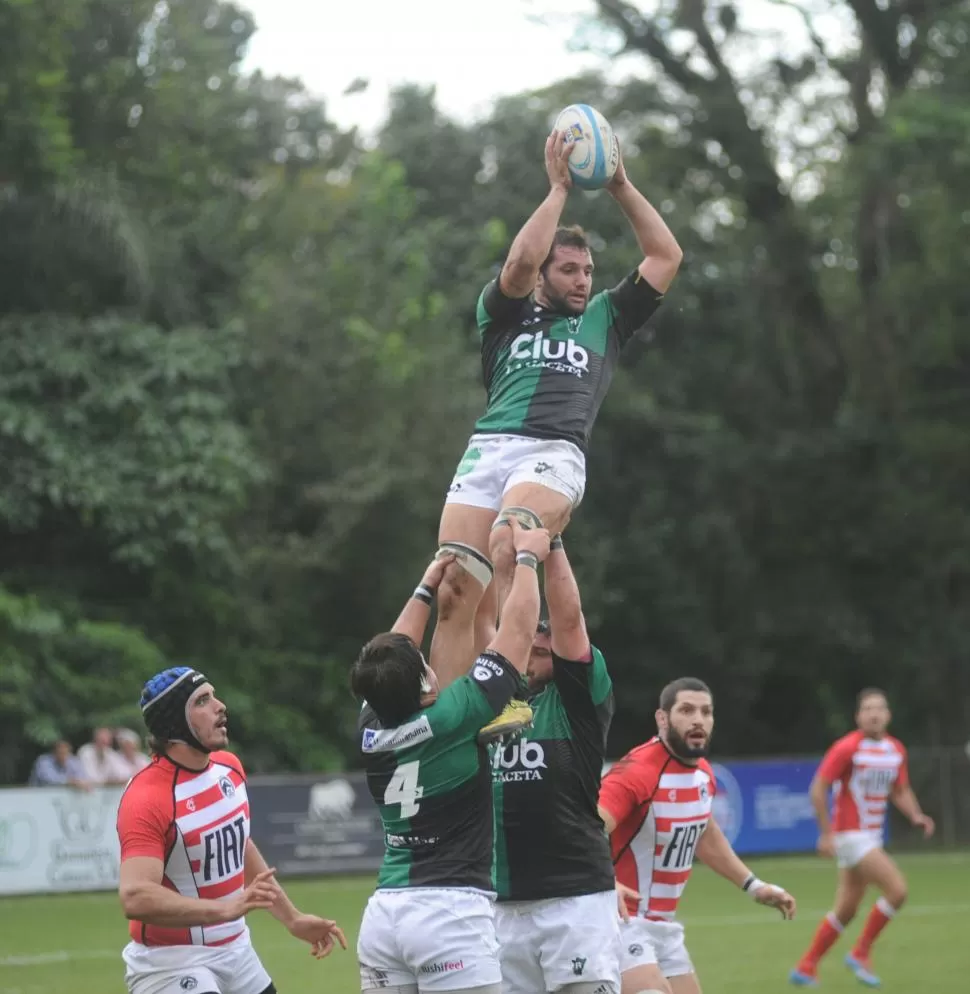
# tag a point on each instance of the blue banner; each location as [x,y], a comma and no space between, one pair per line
[763,806]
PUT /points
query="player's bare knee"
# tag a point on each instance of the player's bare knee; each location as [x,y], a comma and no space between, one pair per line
[501,550]
[896,894]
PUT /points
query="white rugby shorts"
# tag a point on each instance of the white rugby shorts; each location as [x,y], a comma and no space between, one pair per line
[231,969]
[645,943]
[438,938]
[493,464]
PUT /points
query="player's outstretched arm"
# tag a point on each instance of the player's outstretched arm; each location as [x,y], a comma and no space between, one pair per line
[144,899]
[320,933]
[413,619]
[715,851]
[520,615]
[662,254]
[570,639]
[534,240]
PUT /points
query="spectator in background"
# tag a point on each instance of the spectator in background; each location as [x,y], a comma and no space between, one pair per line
[102,764]
[130,754]
[59,768]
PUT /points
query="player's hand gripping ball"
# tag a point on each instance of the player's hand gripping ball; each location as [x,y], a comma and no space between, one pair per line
[595,152]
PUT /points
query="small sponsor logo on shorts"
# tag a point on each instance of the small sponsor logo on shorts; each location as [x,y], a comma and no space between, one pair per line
[447,966]
[376,978]
[542,467]
[636,949]
[188,983]
[603,989]
[579,964]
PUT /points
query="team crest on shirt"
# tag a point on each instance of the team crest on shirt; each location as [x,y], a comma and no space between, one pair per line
[702,791]
[188,983]
[225,785]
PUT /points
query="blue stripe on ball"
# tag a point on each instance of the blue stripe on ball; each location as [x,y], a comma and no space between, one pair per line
[598,179]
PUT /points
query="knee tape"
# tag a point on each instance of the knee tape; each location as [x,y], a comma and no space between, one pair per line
[470,560]
[525,517]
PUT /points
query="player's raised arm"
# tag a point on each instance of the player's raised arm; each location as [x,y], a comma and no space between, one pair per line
[570,639]
[532,243]
[413,618]
[520,616]
[662,254]
[715,851]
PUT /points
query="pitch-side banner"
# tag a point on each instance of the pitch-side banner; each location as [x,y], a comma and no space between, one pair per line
[58,839]
[764,807]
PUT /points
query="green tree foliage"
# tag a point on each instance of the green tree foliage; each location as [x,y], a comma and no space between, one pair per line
[238,365]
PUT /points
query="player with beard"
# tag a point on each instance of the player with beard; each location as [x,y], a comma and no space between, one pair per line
[190,872]
[656,804]
[556,915]
[549,352]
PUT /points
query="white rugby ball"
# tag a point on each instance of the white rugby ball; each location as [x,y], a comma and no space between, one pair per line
[595,153]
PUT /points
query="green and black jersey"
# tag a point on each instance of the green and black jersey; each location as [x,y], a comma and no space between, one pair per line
[550,841]
[547,373]
[432,782]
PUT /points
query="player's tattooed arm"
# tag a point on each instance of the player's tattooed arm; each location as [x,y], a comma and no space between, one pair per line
[570,639]
[320,933]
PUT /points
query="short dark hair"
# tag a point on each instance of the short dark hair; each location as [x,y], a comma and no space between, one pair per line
[668,696]
[572,236]
[387,674]
[868,692]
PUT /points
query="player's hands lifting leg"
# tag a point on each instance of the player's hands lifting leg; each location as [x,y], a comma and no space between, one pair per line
[776,897]
[262,892]
[320,933]
[532,540]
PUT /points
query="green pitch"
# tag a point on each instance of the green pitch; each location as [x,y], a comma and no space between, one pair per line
[70,944]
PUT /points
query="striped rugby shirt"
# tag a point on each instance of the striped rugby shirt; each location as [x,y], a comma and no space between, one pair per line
[661,808]
[197,823]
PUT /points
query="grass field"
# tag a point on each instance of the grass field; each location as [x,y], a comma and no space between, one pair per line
[70,944]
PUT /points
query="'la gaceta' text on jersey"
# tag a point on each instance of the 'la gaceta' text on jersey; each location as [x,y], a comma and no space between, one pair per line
[547,373]
[431,780]
[550,841]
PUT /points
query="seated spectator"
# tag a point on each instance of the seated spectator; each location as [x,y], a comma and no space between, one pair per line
[102,764]
[129,746]
[59,768]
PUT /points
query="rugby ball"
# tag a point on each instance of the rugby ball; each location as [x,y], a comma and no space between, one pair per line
[595,153]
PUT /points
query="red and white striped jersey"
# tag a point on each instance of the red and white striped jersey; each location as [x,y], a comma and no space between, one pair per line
[661,807]
[197,823]
[863,773]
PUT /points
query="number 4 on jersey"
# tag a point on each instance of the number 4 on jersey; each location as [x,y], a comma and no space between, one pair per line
[403,789]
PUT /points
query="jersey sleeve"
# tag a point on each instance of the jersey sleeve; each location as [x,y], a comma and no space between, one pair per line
[632,303]
[586,691]
[496,310]
[625,788]
[476,698]
[145,821]
[902,777]
[229,759]
[836,762]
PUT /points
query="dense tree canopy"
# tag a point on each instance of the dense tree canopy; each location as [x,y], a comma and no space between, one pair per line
[238,364]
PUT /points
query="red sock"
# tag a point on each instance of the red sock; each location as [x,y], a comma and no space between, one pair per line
[881,915]
[826,936]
